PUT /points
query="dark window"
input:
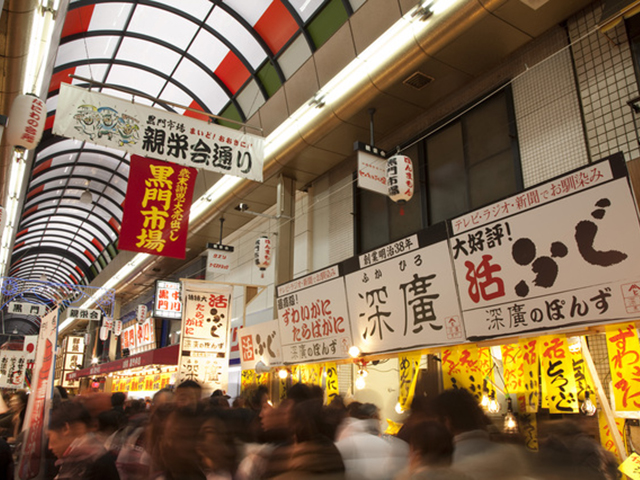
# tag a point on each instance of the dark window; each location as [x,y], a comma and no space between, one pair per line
[462,165]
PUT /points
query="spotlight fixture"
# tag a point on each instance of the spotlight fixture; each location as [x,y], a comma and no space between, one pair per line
[354,351]
[242,207]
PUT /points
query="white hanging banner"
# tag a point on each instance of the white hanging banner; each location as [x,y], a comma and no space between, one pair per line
[37,412]
[204,342]
[12,369]
[218,261]
[3,215]
[154,133]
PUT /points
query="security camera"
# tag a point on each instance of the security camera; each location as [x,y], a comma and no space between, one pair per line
[242,207]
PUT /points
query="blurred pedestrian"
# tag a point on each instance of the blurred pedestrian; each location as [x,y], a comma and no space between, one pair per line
[80,454]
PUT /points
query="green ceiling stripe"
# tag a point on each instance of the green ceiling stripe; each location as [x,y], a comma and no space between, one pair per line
[327,22]
[232,113]
[269,78]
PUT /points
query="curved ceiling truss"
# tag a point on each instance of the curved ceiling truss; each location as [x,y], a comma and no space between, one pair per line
[220,57]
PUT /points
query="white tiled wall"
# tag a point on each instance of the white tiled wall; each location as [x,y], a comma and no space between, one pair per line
[606,81]
[550,131]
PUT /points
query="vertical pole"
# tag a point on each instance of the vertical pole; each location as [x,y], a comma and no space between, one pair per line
[602,399]
[283,269]
[372,111]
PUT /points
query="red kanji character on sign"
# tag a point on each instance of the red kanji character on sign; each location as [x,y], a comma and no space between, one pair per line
[482,283]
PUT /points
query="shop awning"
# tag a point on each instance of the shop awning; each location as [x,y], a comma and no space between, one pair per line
[159,356]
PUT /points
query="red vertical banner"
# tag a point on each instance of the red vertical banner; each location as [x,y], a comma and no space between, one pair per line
[156,207]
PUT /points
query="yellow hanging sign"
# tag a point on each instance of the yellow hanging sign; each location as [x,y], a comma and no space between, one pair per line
[331,381]
[606,439]
[557,372]
[263,379]
[469,367]
[295,374]
[409,365]
[247,379]
[584,382]
[527,423]
[530,376]
[392,427]
[512,368]
[315,374]
[631,466]
[282,388]
[623,348]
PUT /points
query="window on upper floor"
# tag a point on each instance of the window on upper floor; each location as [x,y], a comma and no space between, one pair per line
[460,165]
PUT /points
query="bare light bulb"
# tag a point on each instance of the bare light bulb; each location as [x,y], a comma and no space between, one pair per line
[354,351]
[360,383]
[283,374]
[587,407]
[399,409]
[494,405]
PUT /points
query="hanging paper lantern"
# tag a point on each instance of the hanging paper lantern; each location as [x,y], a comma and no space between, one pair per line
[26,122]
[262,253]
[104,333]
[141,313]
[107,322]
[117,327]
[400,179]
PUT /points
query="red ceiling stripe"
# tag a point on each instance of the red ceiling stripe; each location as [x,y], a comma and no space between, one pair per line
[77,20]
[90,255]
[73,279]
[48,124]
[276,26]
[40,168]
[22,232]
[18,245]
[35,191]
[232,72]
[97,244]
[61,77]
[115,224]
[30,211]
[79,270]
[197,116]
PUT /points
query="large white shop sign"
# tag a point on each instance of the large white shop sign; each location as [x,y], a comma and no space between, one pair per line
[563,253]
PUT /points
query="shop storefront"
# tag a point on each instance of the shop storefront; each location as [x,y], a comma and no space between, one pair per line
[141,374]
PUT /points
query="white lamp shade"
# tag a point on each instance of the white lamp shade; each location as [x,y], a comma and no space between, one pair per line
[117,327]
[400,178]
[104,333]
[26,122]
[262,252]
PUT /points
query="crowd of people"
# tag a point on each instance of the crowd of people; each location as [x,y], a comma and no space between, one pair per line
[179,435]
